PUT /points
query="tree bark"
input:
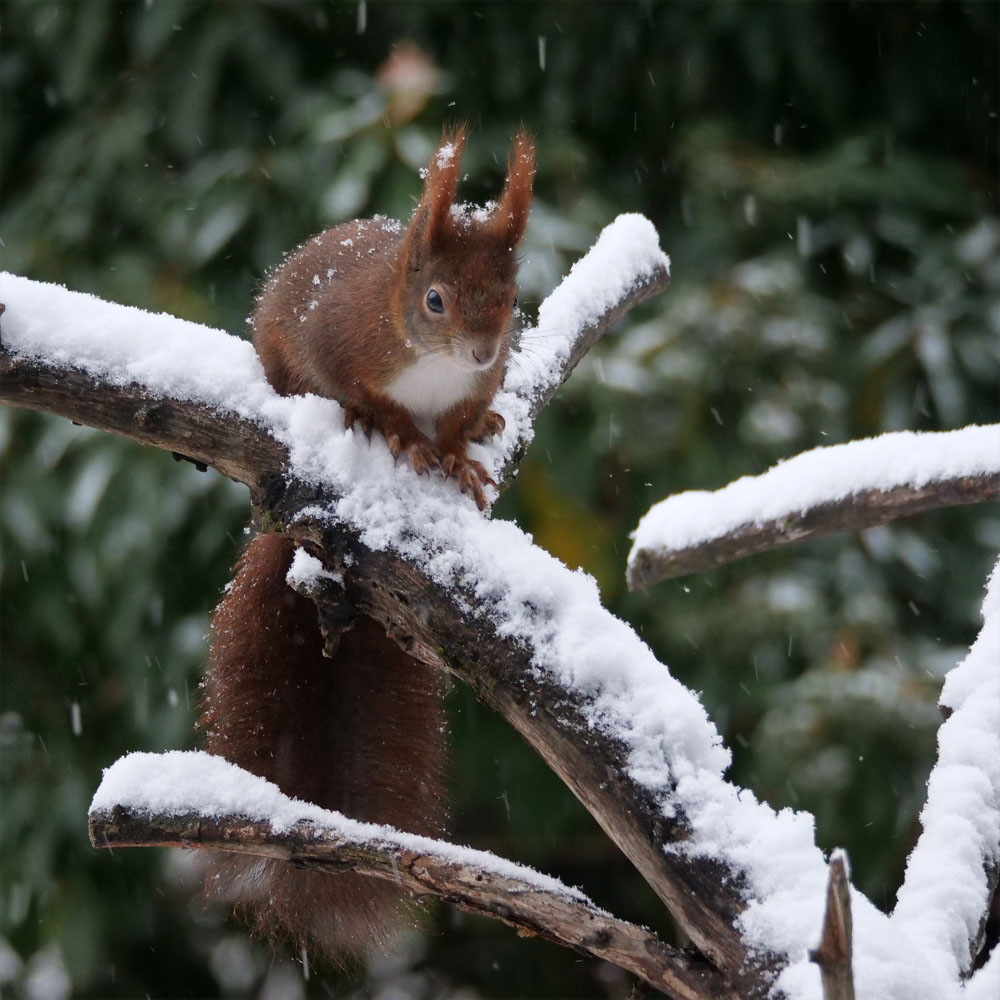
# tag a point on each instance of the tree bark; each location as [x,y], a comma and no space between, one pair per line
[238,448]
[833,956]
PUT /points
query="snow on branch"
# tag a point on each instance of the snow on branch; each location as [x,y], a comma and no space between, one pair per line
[623,268]
[953,871]
[159,380]
[984,983]
[844,487]
[195,800]
[532,640]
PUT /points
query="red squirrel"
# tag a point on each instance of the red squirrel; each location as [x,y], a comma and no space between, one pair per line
[409,330]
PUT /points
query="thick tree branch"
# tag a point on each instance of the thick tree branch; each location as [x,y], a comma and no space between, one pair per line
[454,631]
[521,903]
[239,449]
[833,956]
[864,509]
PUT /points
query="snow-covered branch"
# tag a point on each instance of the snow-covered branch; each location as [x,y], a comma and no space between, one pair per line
[198,801]
[955,867]
[623,268]
[202,394]
[475,597]
[238,448]
[844,487]
[189,389]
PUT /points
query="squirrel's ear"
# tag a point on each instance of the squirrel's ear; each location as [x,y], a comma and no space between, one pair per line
[431,221]
[511,215]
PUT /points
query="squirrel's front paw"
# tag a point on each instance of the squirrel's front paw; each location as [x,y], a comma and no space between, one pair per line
[422,455]
[352,416]
[491,425]
[471,475]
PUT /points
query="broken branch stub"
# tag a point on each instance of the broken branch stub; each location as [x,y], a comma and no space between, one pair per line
[833,956]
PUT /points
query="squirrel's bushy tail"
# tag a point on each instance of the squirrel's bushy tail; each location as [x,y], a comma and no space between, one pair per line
[362,732]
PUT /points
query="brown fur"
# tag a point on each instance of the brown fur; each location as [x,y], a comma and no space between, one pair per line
[346,314]
[363,732]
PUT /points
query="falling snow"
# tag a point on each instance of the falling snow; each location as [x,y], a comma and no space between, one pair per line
[673,748]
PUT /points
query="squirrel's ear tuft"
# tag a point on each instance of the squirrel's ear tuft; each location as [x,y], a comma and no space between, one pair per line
[431,222]
[511,215]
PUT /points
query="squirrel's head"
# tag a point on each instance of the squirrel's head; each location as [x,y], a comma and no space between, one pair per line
[459,290]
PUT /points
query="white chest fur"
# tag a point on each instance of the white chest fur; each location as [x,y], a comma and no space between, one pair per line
[432,385]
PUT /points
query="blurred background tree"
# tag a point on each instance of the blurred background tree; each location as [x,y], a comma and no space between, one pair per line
[825,179]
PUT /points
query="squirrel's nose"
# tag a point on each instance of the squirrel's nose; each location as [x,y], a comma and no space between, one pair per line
[483,354]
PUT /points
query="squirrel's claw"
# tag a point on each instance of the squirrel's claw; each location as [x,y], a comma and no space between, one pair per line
[352,416]
[422,457]
[471,475]
[480,472]
[468,483]
[491,425]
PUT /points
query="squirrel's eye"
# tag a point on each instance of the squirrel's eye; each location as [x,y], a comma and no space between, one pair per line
[514,306]
[434,301]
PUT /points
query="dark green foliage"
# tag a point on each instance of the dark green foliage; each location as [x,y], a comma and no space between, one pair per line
[825,179]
